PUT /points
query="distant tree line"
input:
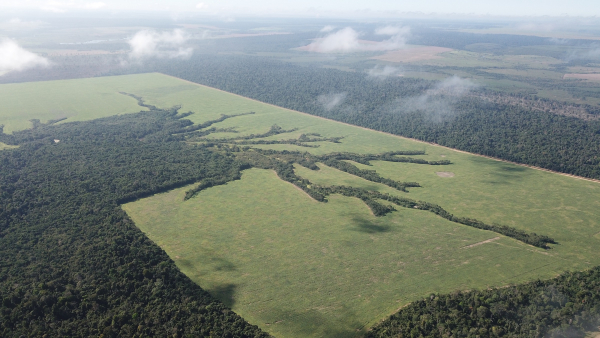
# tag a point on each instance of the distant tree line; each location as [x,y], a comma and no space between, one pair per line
[511,132]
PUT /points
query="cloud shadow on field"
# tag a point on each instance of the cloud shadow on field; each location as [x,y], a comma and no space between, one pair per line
[501,172]
[225,293]
[313,323]
[365,226]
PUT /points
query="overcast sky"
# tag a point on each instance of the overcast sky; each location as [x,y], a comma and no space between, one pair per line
[320,7]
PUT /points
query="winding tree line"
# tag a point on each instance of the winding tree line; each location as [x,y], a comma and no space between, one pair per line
[72,263]
[512,132]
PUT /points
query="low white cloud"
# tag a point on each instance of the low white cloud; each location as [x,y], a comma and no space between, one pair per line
[592,53]
[344,40]
[436,103]
[201,5]
[327,29]
[391,30]
[453,86]
[330,101]
[148,43]
[536,27]
[347,40]
[380,73]
[14,58]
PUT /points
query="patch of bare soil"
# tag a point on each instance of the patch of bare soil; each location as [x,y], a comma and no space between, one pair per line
[445,174]
[482,242]
[413,54]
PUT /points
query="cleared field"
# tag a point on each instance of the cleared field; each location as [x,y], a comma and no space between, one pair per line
[486,60]
[413,53]
[298,268]
[590,77]
[5,146]
[83,99]
[541,30]
[533,73]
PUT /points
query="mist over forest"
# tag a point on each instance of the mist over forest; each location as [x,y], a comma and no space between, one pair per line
[445,169]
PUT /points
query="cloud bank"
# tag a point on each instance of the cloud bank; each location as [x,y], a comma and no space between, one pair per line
[327,29]
[346,40]
[149,44]
[13,58]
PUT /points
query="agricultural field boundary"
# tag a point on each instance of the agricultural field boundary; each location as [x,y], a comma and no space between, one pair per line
[399,136]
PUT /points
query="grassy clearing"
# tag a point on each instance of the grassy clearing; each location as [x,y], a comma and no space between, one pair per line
[485,60]
[6,146]
[412,54]
[298,268]
[83,99]
[491,191]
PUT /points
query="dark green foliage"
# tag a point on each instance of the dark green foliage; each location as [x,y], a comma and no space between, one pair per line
[72,263]
[282,162]
[564,306]
[509,132]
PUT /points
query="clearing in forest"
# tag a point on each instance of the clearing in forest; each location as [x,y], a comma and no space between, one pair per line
[413,53]
[590,77]
[299,268]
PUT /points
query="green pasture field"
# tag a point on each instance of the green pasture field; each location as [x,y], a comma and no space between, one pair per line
[78,100]
[5,146]
[300,268]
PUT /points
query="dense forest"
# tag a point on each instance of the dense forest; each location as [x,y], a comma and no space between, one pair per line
[409,107]
[565,306]
[73,264]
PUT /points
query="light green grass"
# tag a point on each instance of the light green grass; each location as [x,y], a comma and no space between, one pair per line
[5,146]
[558,206]
[299,268]
[83,99]
[485,60]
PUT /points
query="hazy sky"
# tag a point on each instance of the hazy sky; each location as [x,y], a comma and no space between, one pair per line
[320,7]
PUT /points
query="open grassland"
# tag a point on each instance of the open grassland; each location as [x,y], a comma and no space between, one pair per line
[413,53]
[79,100]
[298,268]
[5,146]
[488,60]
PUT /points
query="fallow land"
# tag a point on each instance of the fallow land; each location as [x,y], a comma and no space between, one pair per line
[295,266]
